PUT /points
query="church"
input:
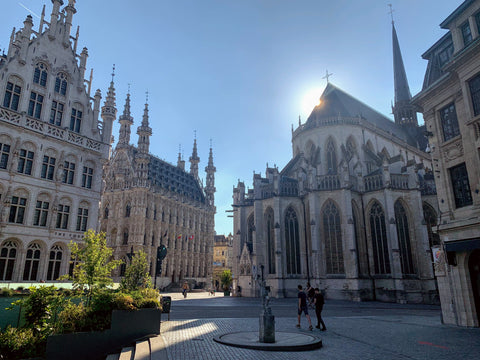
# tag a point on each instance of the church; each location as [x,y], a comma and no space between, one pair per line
[351,212]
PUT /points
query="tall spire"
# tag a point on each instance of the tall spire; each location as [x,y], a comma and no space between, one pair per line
[109,111]
[194,159]
[144,131]
[210,185]
[126,121]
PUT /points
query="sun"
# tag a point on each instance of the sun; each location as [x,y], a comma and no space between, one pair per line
[310,99]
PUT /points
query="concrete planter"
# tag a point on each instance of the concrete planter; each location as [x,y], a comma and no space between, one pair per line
[127,326]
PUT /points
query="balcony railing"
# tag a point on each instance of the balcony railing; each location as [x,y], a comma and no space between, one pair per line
[328,182]
[399,181]
[373,182]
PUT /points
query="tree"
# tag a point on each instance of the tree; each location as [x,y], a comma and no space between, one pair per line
[94,265]
[137,274]
[226,279]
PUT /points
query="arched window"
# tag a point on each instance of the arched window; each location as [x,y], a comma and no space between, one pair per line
[13,91]
[40,74]
[250,229]
[270,237]
[362,254]
[378,233]
[54,263]
[403,234]
[332,234]
[105,212]
[32,261]
[331,157]
[61,83]
[8,255]
[292,240]
[128,209]
[430,216]
[125,237]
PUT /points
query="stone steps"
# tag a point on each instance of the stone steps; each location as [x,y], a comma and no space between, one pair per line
[151,349]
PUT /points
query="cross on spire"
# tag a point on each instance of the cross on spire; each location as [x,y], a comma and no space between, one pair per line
[113,72]
[391,11]
[146,95]
[327,75]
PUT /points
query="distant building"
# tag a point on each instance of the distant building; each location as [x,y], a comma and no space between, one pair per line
[450,102]
[53,146]
[222,257]
[351,212]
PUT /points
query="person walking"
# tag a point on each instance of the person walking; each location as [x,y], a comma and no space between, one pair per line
[185,289]
[302,307]
[319,301]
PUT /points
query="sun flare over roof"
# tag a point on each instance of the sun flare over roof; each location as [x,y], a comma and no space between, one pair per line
[310,99]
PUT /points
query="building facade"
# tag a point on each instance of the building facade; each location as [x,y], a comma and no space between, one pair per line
[222,258]
[53,147]
[450,102]
[351,212]
[149,202]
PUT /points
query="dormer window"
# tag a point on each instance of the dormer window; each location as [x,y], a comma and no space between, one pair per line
[40,74]
[466,33]
[61,83]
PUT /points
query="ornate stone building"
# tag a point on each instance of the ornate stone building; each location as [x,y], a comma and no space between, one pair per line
[222,257]
[351,212]
[148,202]
[52,148]
[450,102]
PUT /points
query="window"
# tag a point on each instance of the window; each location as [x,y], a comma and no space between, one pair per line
[270,237]
[41,213]
[445,54]
[8,255]
[25,161]
[87,177]
[403,234]
[461,186]
[48,167]
[466,33]
[62,216]
[448,116]
[76,120]
[35,105]
[82,219]
[12,93]
[54,263]
[331,158]
[381,258]
[333,239]
[128,209]
[68,172]
[292,238]
[4,154]
[61,84]
[474,85]
[32,261]
[56,113]
[105,213]
[40,74]
[430,216]
[17,210]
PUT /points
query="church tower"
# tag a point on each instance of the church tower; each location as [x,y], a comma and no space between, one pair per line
[403,110]
[210,186]
[109,111]
[194,160]
[142,158]
[126,121]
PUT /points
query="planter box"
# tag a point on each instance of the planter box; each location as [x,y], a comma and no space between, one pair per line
[127,326]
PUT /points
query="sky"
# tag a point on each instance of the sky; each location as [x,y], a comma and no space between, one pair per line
[239,73]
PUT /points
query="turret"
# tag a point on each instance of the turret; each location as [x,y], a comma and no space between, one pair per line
[210,185]
[83,66]
[109,112]
[54,17]
[194,160]
[180,161]
[70,10]
[96,109]
[143,158]
[25,38]
[126,121]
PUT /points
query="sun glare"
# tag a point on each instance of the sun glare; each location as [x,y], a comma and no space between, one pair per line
[310,100]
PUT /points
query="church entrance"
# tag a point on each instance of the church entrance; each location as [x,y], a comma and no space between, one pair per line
[474,267]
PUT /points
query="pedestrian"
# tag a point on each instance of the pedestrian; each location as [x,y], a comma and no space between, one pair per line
[185,289]
[319,300]
[302,307]
[310,294]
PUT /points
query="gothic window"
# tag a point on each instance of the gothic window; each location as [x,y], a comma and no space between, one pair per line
[270,237]
[41,211]
[403,234]
[40,74]
[68,172]
[35,105]
[362,253]
[350,148]
[61,83]
[56,113]
[250,230]
[128,210]
[87,177]
[12,93]
[18,206]
[450,127]
[25,161]
[63,213]
[76,119]
[460,185]
[466,33]
[82,218]
[4,154]
[331,157]
[125,237]
[430,216]
[48,167]
[54,263]
[32,261]
[105,212]
[292,240]
[378,234]
[332,234]
[474,85]
[8,255]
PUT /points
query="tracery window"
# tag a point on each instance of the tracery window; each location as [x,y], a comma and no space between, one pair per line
[40,74]
[331,157]
[54,263]
[332,233]
[13,91]
[378,234]
[403,234]
[61,83]
[270,237]
[292,239]
[32,261]
[8,256]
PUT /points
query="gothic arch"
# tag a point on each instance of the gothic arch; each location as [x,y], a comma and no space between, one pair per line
[378,236]
[9,250]
[292,241]
[360,240]
[431,220]
[404,236]
[332,236]
[33,258]
[331,161]
[250,231]
[270,239]
[385,153]
[55,259]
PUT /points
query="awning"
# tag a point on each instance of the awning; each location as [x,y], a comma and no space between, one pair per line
[462,245]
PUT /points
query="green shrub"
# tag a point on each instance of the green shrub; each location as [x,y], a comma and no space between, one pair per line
[148,304]
[21,343]
[6,292]
[72,318]
[124,302]
[41,306]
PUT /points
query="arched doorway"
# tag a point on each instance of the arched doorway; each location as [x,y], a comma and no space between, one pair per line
[474,267]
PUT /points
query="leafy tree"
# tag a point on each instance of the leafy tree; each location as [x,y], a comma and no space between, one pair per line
[137,273]
[94,264]
[226,279]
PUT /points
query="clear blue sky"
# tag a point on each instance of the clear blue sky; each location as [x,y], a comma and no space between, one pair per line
[239,71]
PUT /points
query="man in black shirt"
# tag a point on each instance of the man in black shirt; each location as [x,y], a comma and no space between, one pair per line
[302,307]
[319,301]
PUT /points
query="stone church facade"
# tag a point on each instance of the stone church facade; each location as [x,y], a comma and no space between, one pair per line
[53,146]
[149,202]
[352,212]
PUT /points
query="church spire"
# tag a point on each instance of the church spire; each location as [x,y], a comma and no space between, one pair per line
[210,185]
[194,159]
[109,111]
[126,121]
[144,131]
